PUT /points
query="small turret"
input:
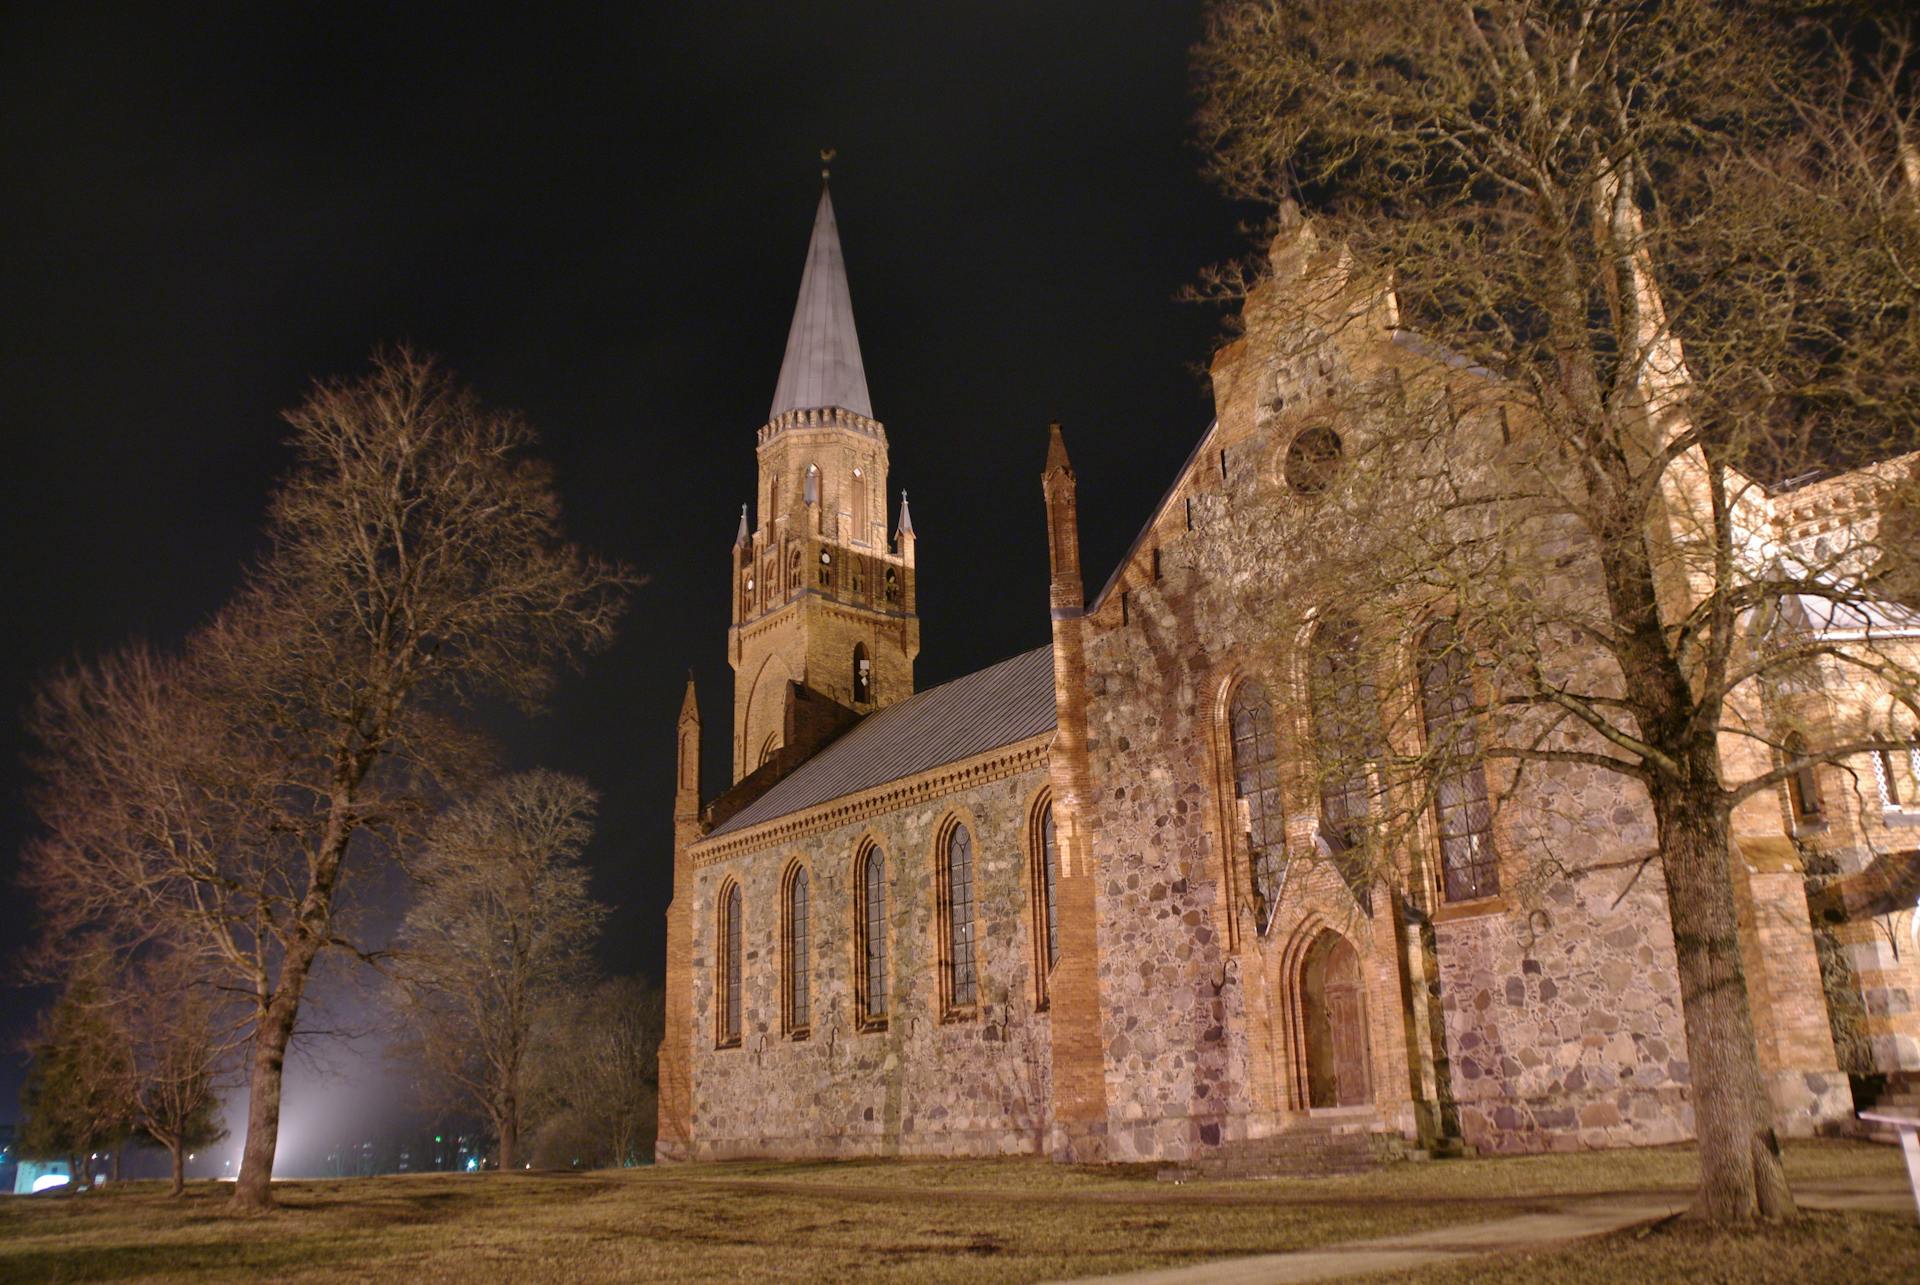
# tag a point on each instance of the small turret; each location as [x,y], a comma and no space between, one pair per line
[686,795]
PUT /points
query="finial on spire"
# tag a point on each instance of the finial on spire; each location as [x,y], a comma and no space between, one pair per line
[906,515]
[826,162]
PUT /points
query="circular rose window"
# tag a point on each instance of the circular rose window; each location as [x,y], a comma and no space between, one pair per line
[1313,459]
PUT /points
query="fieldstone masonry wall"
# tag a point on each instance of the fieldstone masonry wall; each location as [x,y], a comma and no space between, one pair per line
[923,1086]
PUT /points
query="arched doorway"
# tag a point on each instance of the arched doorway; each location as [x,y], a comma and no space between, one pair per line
[1333,1008]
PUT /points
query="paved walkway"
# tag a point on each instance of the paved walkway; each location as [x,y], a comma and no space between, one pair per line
[1575,1219]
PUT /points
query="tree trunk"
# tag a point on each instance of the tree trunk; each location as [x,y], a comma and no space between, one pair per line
[1740,1172]
[116,1162]
[509,1136]
[179,1155]
[270,1039]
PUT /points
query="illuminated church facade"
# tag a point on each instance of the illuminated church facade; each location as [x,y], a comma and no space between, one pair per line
[1067,904]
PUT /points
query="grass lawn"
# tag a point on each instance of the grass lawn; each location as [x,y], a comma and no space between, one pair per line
[1857,1248]
[998,1220]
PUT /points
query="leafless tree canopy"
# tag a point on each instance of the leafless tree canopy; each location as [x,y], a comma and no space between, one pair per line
[1633,261]
[231,797]
[500,934]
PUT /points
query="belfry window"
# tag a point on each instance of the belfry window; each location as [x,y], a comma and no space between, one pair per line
[1256,787]
[857,505]
[811,485]
[728,998]
[893,586]
[793,955]
[870,938]
[794,583]
[862,675]
[1469,865]
[956,911]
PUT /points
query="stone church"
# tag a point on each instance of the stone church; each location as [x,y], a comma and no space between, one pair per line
[1046,907]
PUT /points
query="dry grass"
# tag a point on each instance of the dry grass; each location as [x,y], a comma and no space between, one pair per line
[1858,1248]
[858,1221]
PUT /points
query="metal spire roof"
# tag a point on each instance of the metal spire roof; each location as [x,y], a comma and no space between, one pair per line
[822,367]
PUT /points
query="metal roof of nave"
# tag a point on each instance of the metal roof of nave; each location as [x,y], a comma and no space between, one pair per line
[822,367]
[999,705]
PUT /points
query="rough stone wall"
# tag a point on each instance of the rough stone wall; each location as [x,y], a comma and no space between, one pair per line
[978,1085]
[1563,1018]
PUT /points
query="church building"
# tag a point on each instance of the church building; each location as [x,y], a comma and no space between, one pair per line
[1065,904]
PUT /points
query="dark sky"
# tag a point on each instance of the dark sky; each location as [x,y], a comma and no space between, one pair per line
[600,221]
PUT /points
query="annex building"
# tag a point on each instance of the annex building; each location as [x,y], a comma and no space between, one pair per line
[1069,904]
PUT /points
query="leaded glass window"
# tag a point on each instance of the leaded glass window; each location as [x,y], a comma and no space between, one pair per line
[798,995]
[1050,882]
[959,905]
[1469,865]
[1344,723]
[1256,783]
[872,923]
[730,949]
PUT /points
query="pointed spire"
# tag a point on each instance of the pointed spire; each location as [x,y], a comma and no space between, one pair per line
[745,537]
[906,516]
[1056,451]
[822,367]
[689,704]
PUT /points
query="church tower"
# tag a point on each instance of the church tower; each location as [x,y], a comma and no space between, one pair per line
[821,597]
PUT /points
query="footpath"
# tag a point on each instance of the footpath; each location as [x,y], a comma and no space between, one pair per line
[1572,1218]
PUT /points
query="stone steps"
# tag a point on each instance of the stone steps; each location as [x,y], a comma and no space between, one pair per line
[1310,1149]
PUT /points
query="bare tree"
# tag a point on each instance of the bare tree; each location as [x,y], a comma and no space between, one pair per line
[178,1032]
[233,798]
[1634,257]
[596,1068]
[501,930]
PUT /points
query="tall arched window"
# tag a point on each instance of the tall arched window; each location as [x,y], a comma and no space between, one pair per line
[773,503]
[1345,729]
[796,995]
[1803,787]
[959,980]
[1046,914]
[870,938]
[857,505]
[730,949]
[794,584]
[862,675]
[1469,865]
[1256,786]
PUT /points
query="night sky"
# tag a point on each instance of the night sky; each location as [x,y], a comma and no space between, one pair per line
[599,221]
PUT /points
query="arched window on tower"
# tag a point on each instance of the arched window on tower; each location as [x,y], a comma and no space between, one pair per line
[1469,863]
[958,979]
[862,676]
[1346,722]
[794,583]
[746,582]
[826,569]
[870,939]
[857,569]
[795,992]
[773,502]
[857,505]
[893,586]
[1256,788]
[810,492]
[728,992]
[1803,787]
